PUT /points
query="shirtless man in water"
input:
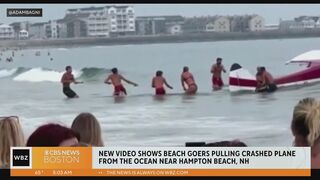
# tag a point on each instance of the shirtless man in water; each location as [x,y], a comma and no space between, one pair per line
[66,80]
[116,81]
[216,71]
[267,81]
[260,80]
[158,81]
[187,78]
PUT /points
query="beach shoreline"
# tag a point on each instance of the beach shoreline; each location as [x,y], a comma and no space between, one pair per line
[159,39]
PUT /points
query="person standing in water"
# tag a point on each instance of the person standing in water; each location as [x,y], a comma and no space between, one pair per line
[265,81]
[187,78]
[269,80]
[216,71]
[115,79]
[158,81]
[260,80]
[66,80]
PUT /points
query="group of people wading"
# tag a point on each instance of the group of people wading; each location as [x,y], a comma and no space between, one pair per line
[264,79]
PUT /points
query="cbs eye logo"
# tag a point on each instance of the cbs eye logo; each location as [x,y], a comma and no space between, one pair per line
[20,158]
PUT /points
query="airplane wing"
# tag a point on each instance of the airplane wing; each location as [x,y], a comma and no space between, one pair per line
[307,57]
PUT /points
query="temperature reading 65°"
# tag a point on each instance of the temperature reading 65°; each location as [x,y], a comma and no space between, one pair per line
[38,172]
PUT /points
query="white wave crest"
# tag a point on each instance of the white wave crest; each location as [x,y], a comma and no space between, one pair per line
[98,47]
[6,72]
[41,75]
[62,49]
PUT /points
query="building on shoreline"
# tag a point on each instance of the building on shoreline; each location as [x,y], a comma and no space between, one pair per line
[37,30]
[52,29]
[23,34]
[107,21]
[19,26]
[256,23]
[309,21]
[301,23]
[6,32]
[159,25]
[73,25]
[194,24]
[218,24]
[246,23]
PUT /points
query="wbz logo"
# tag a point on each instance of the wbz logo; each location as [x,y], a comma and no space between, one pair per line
[20,157]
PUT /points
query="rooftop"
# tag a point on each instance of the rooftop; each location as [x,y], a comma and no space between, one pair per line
[307,18]
[71,17]
[5,26]
[167,18]
[39,24]
[92,8]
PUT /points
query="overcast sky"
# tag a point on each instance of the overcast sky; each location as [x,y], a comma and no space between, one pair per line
[271,12]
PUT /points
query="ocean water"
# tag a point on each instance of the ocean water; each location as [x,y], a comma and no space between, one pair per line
[30,88]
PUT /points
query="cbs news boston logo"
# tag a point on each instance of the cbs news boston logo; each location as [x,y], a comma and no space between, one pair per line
[24,12]
[21,158]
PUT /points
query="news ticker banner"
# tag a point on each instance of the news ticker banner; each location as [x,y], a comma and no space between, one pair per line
[160,161]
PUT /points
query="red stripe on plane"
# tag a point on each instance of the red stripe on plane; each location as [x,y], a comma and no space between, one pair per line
[242,82]
[310,73]
[307,74]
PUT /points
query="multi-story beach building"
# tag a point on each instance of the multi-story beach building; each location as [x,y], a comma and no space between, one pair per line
[108,20]
[6,32]
[38,30]
[300,24]
[73,25]
[52,30]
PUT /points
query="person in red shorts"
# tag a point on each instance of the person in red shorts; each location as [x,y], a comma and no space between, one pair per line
[216,70]
[116,81]
[157,83]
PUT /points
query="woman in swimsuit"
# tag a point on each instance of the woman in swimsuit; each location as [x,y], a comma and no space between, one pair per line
[187,78]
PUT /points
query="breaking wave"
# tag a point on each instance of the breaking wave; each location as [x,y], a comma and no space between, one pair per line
[6,73]
[40,74]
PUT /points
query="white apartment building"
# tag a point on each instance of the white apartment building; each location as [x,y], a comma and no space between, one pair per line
[6,32]
[122,19]
[309,24]
[107,20]
[98,24]
[23,34]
